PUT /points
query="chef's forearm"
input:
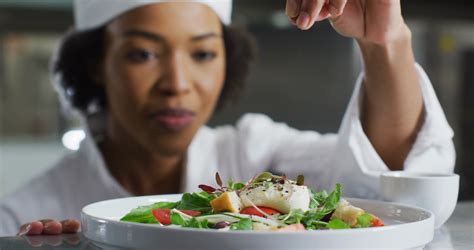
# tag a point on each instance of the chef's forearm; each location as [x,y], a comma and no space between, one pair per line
[392,103]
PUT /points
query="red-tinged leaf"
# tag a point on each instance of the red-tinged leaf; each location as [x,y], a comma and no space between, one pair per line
[207,188]
[218,179]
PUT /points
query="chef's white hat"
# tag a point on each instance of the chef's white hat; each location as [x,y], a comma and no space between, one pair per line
[95,13]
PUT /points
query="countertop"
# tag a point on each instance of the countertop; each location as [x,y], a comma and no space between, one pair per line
[457,233]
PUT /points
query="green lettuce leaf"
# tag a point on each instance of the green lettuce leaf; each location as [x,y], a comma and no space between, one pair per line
[263,177]
[337,224]
[178,219]
[143,214]
[364,220]
[294,217]
[196,201]
[234,186]
[317,198]
[243,224]
[333,199]
[194,223]
[321,204]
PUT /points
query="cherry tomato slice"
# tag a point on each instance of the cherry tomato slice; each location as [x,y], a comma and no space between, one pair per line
[163,215]
[377,222]
[254,211]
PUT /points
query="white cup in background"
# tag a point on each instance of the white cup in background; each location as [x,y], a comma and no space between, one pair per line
[437,193]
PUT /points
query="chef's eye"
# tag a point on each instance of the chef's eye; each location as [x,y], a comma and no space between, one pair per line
[204,56]
[140,56]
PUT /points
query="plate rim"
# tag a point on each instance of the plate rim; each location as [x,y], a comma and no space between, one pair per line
[113,233]
[339,231]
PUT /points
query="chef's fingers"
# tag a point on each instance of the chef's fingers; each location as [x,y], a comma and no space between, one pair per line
[32,228]
[52,227]
[72,239]
[293,20]
[34,241]
[293,8]
[336,7]
[310,13]
[53,240]
[71,226]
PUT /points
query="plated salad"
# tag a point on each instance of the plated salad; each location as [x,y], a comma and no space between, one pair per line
[265,203]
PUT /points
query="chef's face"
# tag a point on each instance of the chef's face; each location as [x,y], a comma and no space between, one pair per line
[163,71]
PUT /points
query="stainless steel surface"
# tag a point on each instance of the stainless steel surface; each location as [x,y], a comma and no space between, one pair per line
[457,233]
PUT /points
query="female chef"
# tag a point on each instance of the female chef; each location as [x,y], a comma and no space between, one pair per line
[151,73]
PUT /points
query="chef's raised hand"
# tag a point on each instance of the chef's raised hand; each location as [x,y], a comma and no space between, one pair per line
[375,21]
[50,227]
[304,13]
[393,103]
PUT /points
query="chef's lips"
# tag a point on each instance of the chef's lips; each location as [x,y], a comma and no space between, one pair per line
[173,119]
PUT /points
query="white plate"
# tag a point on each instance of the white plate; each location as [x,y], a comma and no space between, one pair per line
[406,227]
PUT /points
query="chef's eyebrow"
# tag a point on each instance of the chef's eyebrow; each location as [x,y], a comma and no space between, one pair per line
[158,38]
[144,34]
[205,36]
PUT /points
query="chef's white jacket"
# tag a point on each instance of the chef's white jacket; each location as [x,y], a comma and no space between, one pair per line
[254,145]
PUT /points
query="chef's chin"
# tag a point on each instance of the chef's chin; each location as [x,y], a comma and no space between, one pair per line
[169,143]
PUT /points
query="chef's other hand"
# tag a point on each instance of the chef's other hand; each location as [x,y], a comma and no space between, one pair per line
[50,227]
[372,21]
[304,13]
[53,240]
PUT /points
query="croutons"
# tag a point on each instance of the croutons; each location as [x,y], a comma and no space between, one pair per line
[227,202]
[348,213]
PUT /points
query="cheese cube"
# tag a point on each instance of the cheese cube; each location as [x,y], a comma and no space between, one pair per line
[227,202]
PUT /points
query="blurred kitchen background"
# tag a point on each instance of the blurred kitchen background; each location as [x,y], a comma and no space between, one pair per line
[302,78]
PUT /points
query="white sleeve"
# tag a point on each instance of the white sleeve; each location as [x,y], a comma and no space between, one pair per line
[258,144]
[9,224]
[433,150]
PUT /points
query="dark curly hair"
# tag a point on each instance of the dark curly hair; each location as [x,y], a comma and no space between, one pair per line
[80,53]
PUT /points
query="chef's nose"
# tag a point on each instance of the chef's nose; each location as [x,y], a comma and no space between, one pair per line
[176,78]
